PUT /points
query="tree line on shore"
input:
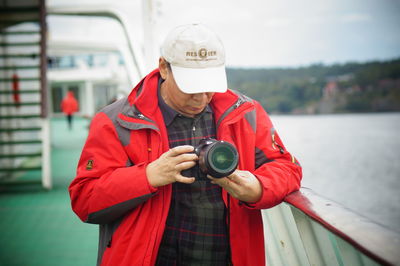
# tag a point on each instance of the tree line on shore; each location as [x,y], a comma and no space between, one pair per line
[339,88]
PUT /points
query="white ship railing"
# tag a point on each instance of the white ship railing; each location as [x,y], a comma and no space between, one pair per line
[308,229]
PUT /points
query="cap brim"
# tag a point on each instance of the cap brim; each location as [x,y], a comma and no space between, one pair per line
[199,80]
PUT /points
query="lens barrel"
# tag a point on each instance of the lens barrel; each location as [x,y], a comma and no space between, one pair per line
[217,158]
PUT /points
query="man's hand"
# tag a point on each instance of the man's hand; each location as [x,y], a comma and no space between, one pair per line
[241,185]
[167,169]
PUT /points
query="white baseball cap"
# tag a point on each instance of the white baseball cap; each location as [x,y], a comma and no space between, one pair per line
[197,59]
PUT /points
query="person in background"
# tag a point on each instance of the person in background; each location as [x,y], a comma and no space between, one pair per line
[139,179]
[69,105]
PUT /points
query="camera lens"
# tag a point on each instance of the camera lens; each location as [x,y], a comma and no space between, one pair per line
[217,158]
[222,158]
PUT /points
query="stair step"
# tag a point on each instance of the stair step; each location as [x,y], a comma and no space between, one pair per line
[19,116]
[19,183]
[20,79]
[31,55]
[18,155]
[13,44]
[7,21]
[25,9]
[20,92]
[18,67]
[21,104]
[20,129]
[10,21]
[16,142]
[18,32]
[23,168]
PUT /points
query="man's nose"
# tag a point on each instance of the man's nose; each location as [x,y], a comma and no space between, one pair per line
[199,96]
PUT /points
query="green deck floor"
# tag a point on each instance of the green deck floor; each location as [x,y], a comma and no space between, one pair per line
[38,227]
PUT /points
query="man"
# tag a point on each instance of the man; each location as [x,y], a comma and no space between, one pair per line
[139,179]
[69,105]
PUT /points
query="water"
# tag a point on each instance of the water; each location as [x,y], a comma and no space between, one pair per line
[352,159]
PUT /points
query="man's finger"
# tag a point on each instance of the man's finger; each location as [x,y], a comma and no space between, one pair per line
[184,179]
[184,165]
[186,157]
[225,182]
[235,178]
[180,149]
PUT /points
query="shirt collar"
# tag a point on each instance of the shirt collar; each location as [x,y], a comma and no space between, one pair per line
[169,113]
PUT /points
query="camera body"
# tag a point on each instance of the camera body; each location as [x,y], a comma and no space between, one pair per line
[217,158]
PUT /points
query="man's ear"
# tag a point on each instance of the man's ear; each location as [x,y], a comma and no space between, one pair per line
[162,66]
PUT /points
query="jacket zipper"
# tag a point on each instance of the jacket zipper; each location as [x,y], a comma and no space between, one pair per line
[162,194]
[231,109]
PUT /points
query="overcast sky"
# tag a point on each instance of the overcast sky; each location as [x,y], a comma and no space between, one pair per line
[270,33]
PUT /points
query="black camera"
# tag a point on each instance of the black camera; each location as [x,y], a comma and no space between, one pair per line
[217,158]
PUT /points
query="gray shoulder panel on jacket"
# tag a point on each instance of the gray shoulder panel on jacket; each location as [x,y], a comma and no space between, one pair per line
[251,117]
[112,111]
[134,126]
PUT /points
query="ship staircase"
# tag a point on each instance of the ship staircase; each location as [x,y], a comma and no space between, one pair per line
[24,124]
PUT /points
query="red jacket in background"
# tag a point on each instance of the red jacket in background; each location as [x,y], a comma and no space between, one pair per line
[69,104]
[111,187]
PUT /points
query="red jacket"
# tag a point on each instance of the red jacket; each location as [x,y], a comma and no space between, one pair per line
[69,104]
[111,187]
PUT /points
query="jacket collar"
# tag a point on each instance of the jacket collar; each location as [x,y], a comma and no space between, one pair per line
[142,102]
[144,95]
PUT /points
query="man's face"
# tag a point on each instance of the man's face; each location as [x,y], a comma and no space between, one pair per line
[186,104]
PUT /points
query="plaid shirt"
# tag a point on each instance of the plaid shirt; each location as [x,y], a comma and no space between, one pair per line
[196,230]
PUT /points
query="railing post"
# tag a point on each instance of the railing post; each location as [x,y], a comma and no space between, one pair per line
[43,60]
[46,154]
